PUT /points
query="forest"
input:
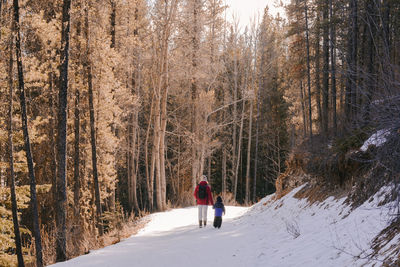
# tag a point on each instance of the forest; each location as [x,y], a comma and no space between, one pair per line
[113,109]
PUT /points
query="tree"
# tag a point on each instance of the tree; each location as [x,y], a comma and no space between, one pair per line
[61,246]
[325,69]
[351,81]
[27,143]
[17,235]
[308,68]
[92,124]
[332,36]
[318,68]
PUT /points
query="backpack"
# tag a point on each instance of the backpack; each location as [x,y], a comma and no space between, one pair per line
[202,191]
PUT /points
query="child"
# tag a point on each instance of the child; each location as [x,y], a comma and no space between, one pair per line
[219,209]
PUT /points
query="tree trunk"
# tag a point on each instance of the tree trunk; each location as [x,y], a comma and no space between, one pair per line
[239,152]
[77,182]
[386,30]
[156,155]
[53,142]
[61,185]
[318,70]
[163,155]
[308,70]
[234,141]
[260,84]
[194,95]
[303,109]
[333,67]
[112,22]
[77,140]
[351,82]
[247,198]
[92,127]
[369,61]
[164,99]
[17,235]
[130,164]
[132,167]
[223,170]
[27,143]
[209,168]
[325,72]
[149,172]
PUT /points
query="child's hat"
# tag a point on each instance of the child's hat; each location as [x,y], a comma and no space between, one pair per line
[204,178]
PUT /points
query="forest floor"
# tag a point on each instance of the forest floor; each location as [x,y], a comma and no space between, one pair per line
[285,232]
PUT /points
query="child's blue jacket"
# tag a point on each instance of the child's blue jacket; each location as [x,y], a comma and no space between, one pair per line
[219,209]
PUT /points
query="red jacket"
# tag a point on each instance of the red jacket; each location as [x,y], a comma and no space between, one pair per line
[205,201]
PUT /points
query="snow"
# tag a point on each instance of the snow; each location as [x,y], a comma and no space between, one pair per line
[286,232]
[377,139]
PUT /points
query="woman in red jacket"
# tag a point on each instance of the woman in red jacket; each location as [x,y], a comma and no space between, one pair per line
[203,196]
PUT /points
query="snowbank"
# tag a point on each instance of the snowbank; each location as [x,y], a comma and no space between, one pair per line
[287,232]
[377,139]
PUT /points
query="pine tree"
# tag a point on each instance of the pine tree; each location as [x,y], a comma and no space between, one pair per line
[27,143]
[17,234]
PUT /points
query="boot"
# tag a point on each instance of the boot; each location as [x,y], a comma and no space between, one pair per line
[205,223]
[200,224]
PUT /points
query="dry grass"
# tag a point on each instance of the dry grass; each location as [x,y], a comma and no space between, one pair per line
[79,243]
[131,227]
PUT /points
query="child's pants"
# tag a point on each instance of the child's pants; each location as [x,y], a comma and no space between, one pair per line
[217,221]
[203,212]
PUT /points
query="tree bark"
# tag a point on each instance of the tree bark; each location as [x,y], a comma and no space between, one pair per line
[53,142]
[325,71]
[369,61]
[303,109]
[223,170]
[194,95]
[77,183]
[163,125]
[14,208]
[234,141]
[133,202]
[61,185]
[112,22]
[351,81]
[27,143]
[308,70]
[129,159]
[239,152]
[260,84]
[92,126]
[155,158]
[333,66]
[247,198]
[318,70]
[149,172]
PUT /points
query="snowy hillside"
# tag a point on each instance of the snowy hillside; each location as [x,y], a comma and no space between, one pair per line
[287,232]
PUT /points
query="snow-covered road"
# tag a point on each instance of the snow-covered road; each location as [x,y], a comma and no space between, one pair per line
[285,233]
[171,238]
